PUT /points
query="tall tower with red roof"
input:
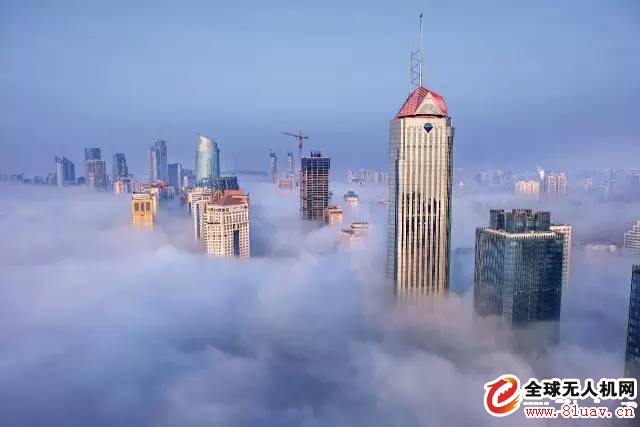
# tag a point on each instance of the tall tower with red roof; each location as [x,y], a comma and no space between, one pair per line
[420,168]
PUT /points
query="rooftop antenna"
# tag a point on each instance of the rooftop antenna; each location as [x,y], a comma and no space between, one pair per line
[415,64]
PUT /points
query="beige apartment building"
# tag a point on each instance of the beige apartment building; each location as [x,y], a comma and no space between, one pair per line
[142,212]
[225,229]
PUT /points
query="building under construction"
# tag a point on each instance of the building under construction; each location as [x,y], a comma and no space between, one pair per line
[314,187]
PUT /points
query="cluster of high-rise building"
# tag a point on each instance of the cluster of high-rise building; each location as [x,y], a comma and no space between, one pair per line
[365,176]
[522,260]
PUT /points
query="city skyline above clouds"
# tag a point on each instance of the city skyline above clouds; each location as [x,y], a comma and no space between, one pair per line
[468,255]
[119,76]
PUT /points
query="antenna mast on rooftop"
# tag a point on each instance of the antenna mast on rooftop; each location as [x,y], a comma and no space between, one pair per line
[415,64]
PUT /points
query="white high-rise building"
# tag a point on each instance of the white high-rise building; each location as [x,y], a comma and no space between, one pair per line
[420,165]
[632,239]
[554,186]
[197,198]
[565,231]
[527,188]
[226,227]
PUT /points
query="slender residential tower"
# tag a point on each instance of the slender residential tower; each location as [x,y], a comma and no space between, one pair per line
[420,165]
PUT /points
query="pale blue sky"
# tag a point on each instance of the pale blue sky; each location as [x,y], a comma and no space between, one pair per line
[552,83]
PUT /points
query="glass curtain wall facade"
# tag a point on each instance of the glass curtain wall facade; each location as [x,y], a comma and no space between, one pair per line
[207,159]
[518,267]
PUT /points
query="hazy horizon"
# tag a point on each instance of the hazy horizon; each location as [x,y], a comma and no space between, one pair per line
[557,76]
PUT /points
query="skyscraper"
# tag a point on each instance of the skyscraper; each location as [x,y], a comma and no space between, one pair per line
[273,165]
[632,366]
[93,172]
[527,188]
[554,186]
[564,231]
[518,267]
[175,175]
[65,171]
[420,165]
[290,171]
[120,169]
[197,199]
[158,170]
[314,186]
[632,239]
[92,154]
[96,174]
[59,174]
[207,159]
[226,227]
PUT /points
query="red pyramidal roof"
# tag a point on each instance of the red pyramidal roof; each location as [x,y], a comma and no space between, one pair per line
[413,102]
[228,200]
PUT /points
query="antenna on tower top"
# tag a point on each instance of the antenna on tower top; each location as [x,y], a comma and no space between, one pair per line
[415,64]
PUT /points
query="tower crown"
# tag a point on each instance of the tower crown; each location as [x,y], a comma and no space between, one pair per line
[423,102]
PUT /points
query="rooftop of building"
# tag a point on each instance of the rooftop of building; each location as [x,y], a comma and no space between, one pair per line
[229,200]
[423,102]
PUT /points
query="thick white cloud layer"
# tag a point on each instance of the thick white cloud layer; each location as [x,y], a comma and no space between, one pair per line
[105,326]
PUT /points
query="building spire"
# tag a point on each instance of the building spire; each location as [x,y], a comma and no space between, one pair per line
[416,60]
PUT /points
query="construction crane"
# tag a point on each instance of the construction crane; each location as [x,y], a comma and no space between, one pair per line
[300,137]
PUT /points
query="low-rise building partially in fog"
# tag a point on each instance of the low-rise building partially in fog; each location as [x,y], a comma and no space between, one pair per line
[356,231]
[286,183]
[351,198]
[333,215]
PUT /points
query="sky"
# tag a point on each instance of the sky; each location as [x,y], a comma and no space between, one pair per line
[105,326]
[527,83]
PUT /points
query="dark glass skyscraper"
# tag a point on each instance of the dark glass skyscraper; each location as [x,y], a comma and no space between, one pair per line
[518,267]
[158,168]
[65,171]
[95,172]
[632,367]
[175,175]
[120,168]
[314,186]
[92,154]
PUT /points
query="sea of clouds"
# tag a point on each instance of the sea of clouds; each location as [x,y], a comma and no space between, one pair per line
[102,325]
